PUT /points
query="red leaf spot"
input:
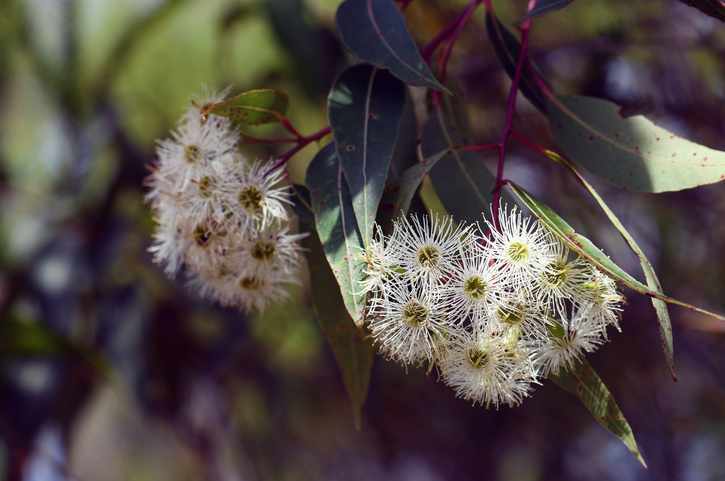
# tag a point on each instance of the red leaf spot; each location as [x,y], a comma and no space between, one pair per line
[705,158]
[657,138]
[580,388]
[631,174]
[694,154]
[601,417]
[616,134]
[591,137]
[388,207]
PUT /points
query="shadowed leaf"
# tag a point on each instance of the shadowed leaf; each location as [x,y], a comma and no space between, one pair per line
[365,107]
[543,7]
[375,31]
[353,354]
[337,226]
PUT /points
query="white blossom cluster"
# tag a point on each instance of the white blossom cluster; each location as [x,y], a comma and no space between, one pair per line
[219,215]
[493,313]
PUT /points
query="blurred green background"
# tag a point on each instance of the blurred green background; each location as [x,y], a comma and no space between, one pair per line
[111,371]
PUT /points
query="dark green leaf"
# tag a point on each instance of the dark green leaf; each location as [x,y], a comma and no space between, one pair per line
[460,179]
[337,226]
[354,355]
[545,6]
[585,248]
[255,107]
[713,8]
[375,31]
[397,196]
[663,316]
[406,153]
[584,383]
[631,153]
[365,107]
[508,49]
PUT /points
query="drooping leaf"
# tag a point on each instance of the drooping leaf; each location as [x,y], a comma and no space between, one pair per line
[582,381]
[460,179]
[337,226]
[713,8]
[375,31]
[365,107]
[663,316]
[543,7]
[631,153]
[397,196]
[585,248]
[255,107]
[508,50]
[353,353]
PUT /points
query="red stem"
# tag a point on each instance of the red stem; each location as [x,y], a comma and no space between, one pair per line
[262,140]
[427,51]
[527,142]
[476,147]
[510,108]
[302,142]
[466,14]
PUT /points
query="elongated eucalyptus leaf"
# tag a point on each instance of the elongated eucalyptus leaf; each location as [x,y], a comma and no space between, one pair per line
[582,381]
[585,248]
[543,7]
[255,107]
[397,196]
[354,354]
[631,153]
[365,107]
[375,31]
[663,316]
[337,226]
[508,50]
[460,179]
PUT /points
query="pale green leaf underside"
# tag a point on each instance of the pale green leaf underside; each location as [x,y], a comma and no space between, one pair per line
[631,153]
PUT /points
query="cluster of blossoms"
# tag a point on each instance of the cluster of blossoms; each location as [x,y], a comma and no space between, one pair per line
[219,215]
[493,313]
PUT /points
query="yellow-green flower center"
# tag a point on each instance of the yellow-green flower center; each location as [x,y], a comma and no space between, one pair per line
[518,252]
[205,186]
[428,257]
[478,358]
[192,154]
[475,287]
[263,250]
[252,283]
[555,274]
[512,315]
[415,314]
[251,198]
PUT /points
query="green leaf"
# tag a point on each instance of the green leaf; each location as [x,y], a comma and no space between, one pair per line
[582,381]
[460,179]
[585,248]
[545,6]
[631,153]
[397,196]
[405,154]
[663,317]
[713,8]
[508,49]
[255,107]
[353,353]
[375,31]
[337,226]
[365,107]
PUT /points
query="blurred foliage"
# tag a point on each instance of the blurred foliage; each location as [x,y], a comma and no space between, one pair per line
[109,371]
